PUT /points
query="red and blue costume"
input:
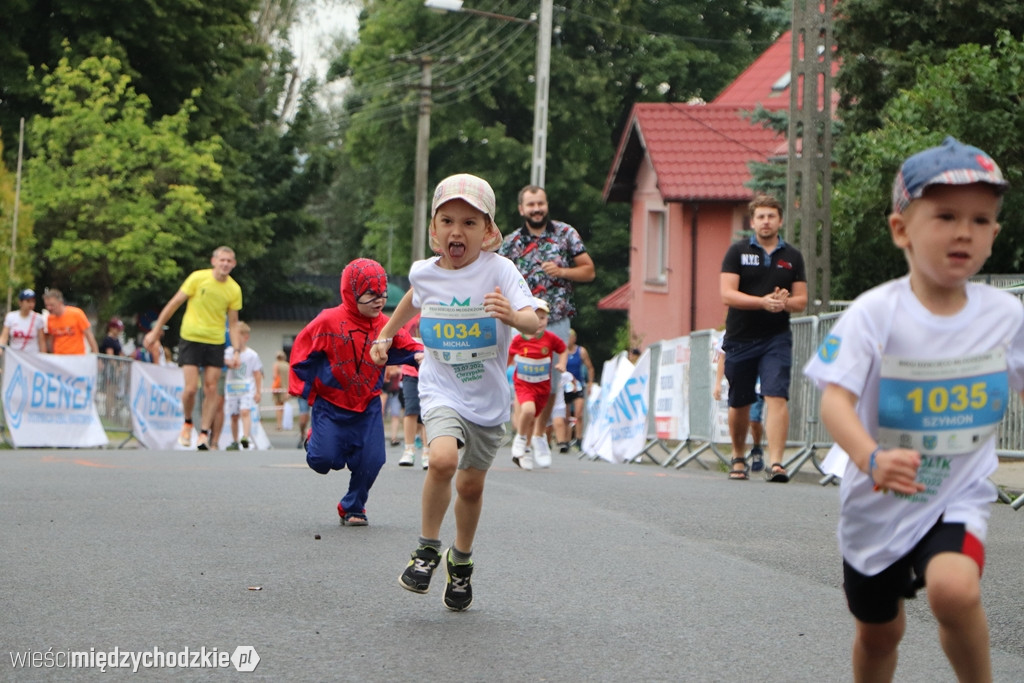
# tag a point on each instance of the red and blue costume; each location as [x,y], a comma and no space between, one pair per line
[332,370]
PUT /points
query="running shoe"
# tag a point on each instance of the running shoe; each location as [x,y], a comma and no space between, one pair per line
[185,438]
[416,577]
[458,593]
[408,458]
[541,451]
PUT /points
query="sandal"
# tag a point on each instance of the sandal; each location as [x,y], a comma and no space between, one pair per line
[738,475]
[776,473]
[354,519]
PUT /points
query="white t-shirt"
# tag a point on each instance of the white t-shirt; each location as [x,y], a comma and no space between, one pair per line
[24,330]
[465,349]
[945,382]
[240,381]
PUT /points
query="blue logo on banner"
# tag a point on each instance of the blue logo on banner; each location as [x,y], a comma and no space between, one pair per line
[16,397]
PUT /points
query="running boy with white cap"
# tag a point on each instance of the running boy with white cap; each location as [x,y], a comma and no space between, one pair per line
[468,299]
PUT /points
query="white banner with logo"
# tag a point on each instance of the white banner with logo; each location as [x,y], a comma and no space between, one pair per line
[617,432]
[671,402]
[49,400]
[156,410]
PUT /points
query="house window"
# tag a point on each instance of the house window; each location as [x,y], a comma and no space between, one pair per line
[656,266]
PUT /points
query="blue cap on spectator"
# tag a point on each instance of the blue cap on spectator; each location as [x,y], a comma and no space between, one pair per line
[26,294]
[951,163]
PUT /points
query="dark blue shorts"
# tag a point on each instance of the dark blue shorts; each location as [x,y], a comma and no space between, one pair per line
[771,359]
[411,395]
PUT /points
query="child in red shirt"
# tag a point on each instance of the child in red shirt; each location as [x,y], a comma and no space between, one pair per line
[532,382]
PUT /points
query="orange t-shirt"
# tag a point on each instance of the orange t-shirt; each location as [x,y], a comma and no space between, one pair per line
[68,331]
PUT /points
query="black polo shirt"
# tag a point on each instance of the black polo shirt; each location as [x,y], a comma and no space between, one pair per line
[760,273]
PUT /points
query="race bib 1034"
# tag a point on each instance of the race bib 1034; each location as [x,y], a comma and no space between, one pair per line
[458,334]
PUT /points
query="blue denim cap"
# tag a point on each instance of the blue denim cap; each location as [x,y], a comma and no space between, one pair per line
[26,294]
[951,163]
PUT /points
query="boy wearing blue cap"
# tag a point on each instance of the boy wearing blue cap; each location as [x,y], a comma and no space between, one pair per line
[915,378]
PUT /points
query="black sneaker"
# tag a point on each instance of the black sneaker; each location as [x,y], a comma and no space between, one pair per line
[416,577]
[244,443]
[458,594]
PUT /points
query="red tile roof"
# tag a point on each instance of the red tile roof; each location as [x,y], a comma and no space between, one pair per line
[757,84]
[618,300]
[699,152]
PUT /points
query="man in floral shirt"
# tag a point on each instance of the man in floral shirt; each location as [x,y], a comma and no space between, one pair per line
[551,257]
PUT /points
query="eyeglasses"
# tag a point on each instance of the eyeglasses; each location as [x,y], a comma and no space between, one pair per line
[370,298]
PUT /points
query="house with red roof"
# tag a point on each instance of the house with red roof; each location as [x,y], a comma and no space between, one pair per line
[683,168]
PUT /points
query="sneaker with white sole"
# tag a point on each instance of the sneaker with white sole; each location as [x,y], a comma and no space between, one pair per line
[185,438]
[458,593]
[416,577]
[425,458]
[408,457]
[519,447]
[541,451]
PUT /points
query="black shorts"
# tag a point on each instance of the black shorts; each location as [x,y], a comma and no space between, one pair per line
[876,599]
[571,396]
[199,354]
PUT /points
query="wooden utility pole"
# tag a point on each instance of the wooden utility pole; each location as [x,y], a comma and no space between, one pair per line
[809,176]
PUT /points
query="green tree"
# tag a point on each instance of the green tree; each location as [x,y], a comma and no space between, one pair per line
[114,196]
[883,43]
[973,95]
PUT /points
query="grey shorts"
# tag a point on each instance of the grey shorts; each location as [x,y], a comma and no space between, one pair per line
[478,445]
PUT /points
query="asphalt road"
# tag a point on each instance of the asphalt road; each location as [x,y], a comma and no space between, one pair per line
[588,571]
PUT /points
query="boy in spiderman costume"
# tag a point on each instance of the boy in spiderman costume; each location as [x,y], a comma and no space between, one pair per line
[331,369]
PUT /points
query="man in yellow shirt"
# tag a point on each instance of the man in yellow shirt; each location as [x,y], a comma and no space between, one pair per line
[212,297]
[68,329]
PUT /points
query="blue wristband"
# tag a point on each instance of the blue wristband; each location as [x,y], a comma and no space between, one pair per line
[871,462]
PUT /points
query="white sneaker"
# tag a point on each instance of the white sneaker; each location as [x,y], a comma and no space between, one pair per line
[408,457]
[541,451]
[425,458]
[518,449]
[526,461]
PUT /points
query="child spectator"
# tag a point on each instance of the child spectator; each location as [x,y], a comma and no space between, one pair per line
[915,379]
[468,298]
[111,343]
[332,371]
[243,382]
[531,356]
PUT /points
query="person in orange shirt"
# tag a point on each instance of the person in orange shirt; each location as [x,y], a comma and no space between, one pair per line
[68,329]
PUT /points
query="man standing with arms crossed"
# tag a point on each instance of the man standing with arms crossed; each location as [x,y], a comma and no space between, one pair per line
[763,280]
[551,257]
[212,295]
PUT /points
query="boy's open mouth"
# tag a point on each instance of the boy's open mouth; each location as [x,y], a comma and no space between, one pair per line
[456,249]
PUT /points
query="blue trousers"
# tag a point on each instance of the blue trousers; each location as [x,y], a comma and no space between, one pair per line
[343,438]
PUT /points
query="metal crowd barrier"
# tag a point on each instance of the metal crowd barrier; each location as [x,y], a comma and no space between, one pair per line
[807,434]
